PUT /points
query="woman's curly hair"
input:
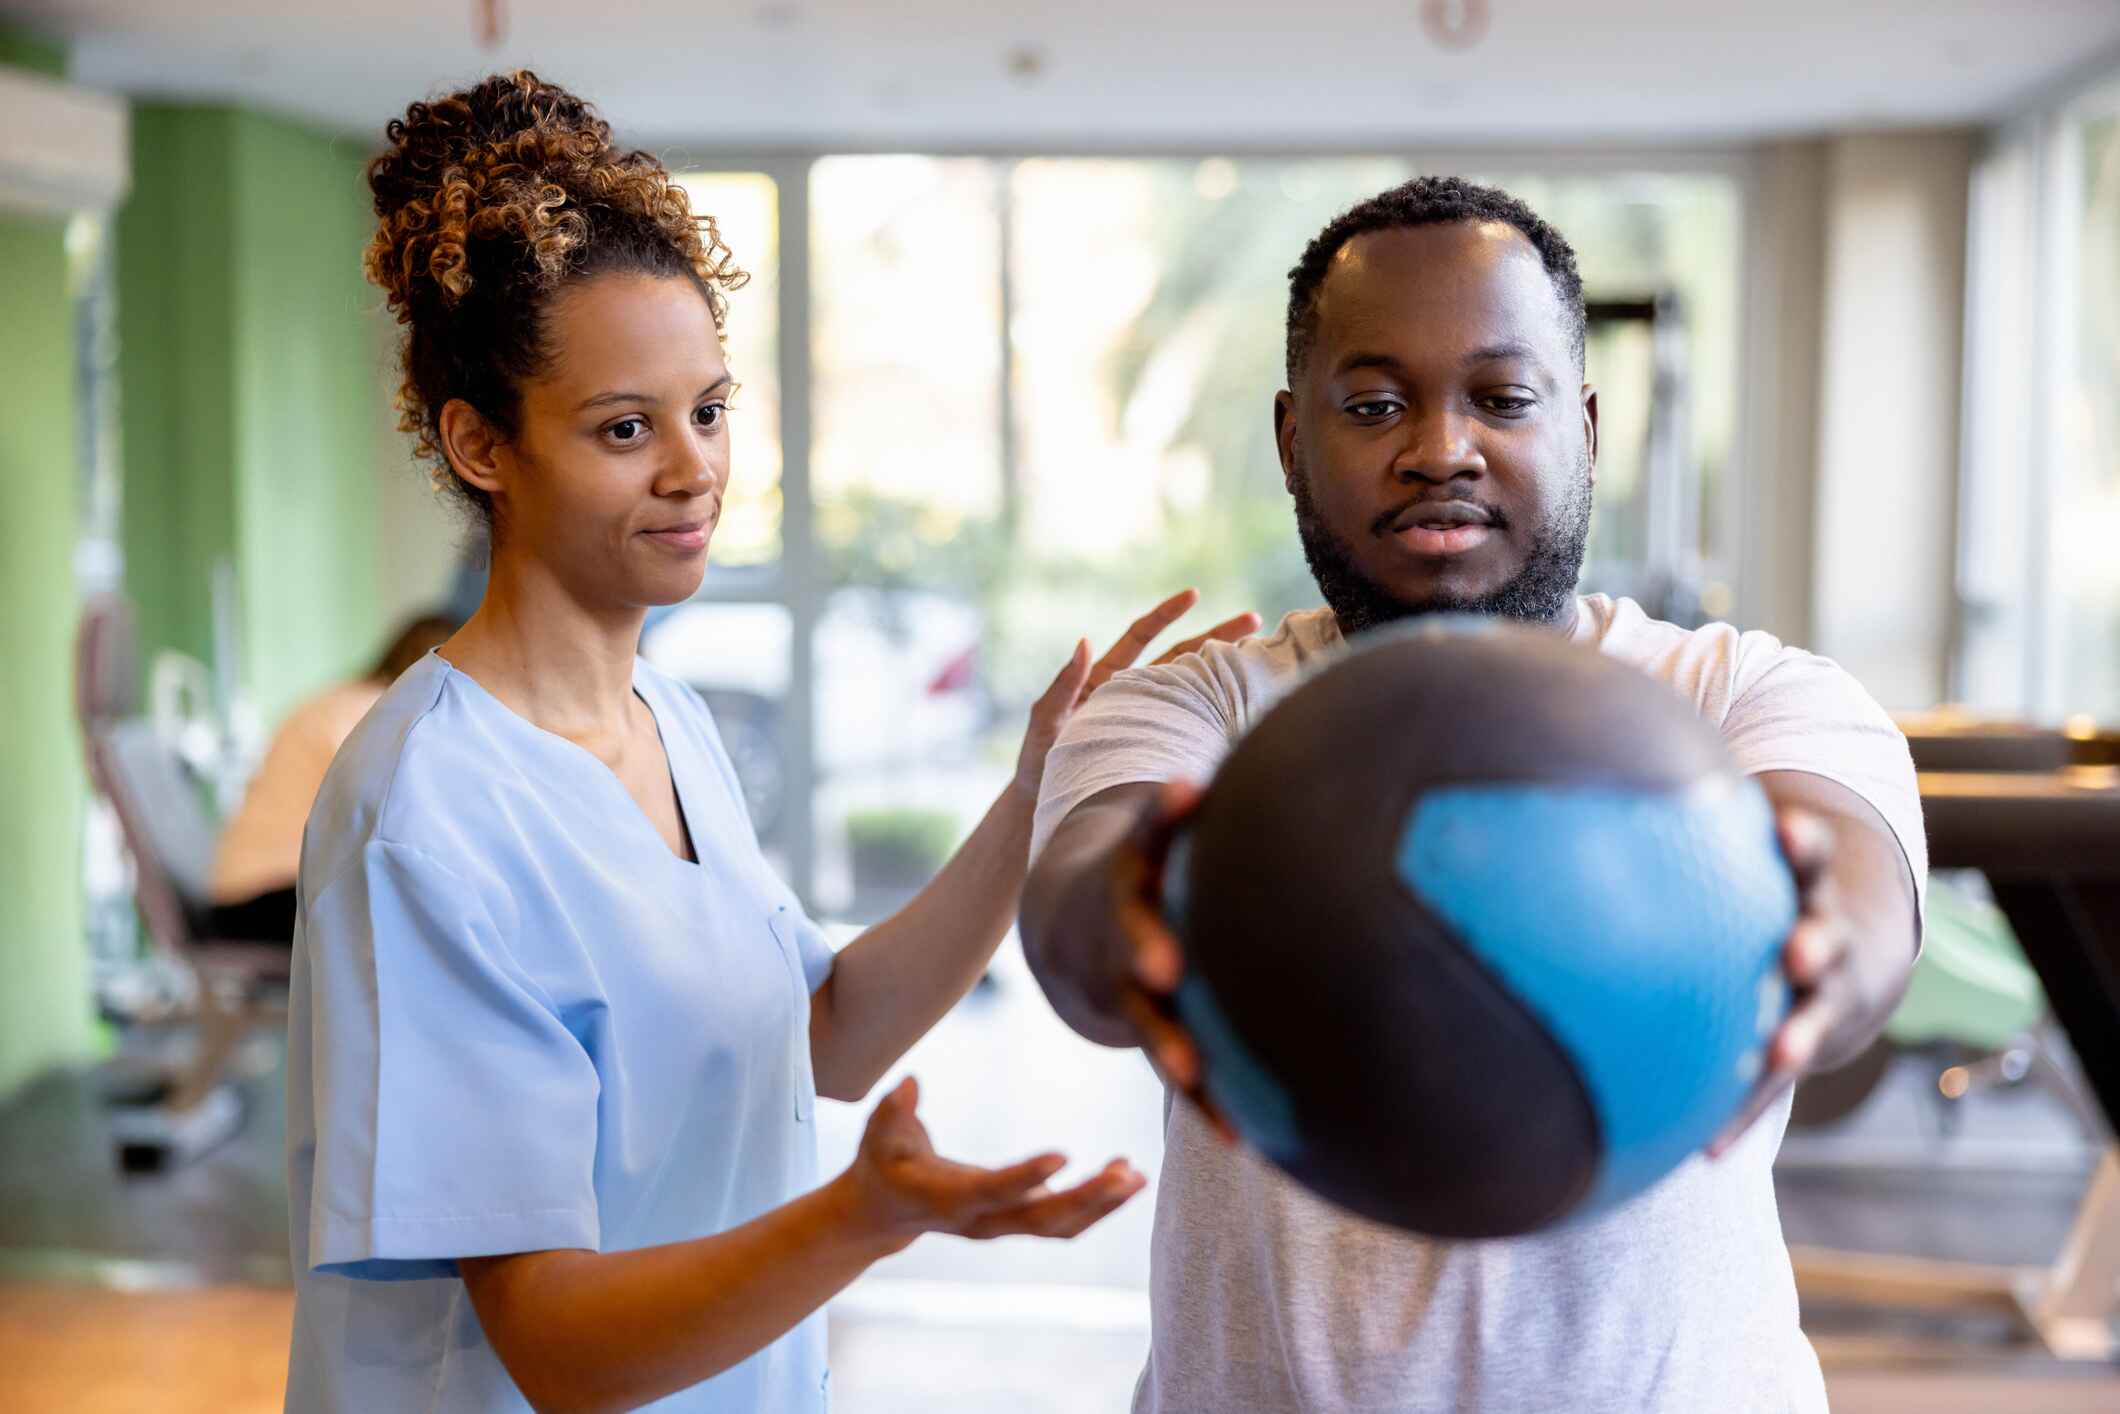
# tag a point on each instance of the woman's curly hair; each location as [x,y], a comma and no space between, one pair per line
[490,201]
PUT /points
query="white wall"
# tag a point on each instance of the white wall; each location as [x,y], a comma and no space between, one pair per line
[1889,376]
[1775,533]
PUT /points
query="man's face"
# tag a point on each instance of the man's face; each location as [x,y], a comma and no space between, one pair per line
[1440,443]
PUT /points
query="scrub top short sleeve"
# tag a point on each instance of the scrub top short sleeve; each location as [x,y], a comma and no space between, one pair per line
[481,1136]
[517,1022]
[811,948]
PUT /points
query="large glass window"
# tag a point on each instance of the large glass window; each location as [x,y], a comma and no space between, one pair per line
[2087,470]
[2039,503]
[1147,340]
[1025,399]
[746,209]
[1037,401]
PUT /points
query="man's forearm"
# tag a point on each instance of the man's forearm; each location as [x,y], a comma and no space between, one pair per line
[1067,909]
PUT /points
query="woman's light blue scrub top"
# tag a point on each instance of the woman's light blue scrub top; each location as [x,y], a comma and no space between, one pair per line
[520,1022]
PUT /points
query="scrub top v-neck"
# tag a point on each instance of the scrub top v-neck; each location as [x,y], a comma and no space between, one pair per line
[520,1021]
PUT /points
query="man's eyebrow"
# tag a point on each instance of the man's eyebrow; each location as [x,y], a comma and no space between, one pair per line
[1490,353]
[621,396]
[1354,361]
[1508,348]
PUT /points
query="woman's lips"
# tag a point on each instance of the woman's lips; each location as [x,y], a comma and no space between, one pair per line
[687,539]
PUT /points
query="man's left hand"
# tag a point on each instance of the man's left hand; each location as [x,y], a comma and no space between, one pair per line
[1828,992]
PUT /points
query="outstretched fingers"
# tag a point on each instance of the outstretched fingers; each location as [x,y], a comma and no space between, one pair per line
[1128,649]
[1227,631]
[1067,1213]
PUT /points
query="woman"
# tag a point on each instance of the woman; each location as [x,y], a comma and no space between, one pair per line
[556,1028]
[259,849]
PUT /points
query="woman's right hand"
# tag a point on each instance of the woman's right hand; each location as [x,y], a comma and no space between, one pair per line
[900,1187]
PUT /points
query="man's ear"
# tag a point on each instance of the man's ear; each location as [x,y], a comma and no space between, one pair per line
[1590,427]
[1284,436]
[474,447]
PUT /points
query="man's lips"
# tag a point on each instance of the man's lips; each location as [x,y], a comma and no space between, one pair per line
[1442,527]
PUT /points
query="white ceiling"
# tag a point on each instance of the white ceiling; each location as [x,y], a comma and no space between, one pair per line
[1182,73]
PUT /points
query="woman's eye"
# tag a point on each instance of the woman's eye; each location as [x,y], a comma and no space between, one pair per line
[711,414]
[627,430]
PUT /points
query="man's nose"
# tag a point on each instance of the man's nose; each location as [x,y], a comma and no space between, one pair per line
[1440,447]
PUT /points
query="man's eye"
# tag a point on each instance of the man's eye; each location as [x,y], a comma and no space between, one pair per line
[1373,407]
[1509,404]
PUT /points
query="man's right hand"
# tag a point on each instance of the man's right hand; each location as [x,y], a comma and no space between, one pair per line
[1104,936]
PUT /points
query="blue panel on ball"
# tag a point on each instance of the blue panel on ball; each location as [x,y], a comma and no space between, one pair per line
[1643,929]
[1234,1078]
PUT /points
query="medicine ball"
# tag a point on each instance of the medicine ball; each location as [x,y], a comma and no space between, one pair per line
[1483,930]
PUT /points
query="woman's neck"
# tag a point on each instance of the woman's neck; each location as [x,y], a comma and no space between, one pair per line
[564,665]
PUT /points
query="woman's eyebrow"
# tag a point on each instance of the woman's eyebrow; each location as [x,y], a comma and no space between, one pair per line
[606,399]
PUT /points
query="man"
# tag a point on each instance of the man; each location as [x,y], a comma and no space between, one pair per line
[1440,446]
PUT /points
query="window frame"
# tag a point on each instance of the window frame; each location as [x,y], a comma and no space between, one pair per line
[2022,274]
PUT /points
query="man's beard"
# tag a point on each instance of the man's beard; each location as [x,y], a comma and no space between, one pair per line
[1537,593]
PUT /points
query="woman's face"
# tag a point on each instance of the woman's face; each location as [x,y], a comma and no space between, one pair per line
[614,482]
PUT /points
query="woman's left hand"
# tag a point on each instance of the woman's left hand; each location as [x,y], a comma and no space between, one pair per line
[1080,677]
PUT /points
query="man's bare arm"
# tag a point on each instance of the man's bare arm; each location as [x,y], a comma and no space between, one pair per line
[1070,936]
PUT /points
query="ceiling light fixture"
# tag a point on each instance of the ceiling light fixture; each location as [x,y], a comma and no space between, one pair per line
[1455,24]
[489,23]
[1025,63]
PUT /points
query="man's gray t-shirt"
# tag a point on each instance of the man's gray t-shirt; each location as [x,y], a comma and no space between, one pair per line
[1266,1298]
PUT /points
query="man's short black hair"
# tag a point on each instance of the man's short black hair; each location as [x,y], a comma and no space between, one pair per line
[1428,201]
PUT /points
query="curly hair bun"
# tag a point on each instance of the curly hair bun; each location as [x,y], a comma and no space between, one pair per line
[487,202]
[511,162]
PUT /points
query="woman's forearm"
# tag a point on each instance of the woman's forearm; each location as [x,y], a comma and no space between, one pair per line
[895,981]
[592,1331]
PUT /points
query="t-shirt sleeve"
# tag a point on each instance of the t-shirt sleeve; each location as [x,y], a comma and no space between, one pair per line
[1155,724]
[456,1113]
[1802,712]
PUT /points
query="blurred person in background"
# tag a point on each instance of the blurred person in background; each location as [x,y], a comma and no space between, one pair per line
[253,896]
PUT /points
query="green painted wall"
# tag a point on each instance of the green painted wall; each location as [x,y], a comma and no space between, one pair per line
[176,376]
[46,1016]
[306,391]
[248,369]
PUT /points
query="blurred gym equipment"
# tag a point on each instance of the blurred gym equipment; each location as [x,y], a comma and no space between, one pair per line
[238,986]
[2037,813]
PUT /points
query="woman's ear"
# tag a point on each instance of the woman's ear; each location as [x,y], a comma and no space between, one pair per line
[474,447]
